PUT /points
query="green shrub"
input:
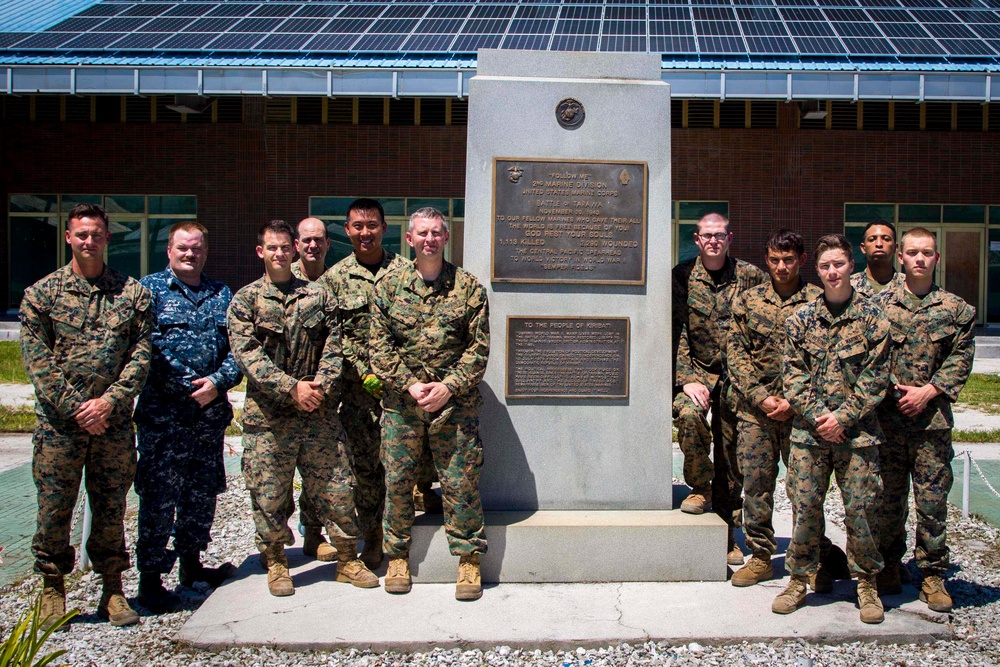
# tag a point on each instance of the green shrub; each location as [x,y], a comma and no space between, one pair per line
[27,637]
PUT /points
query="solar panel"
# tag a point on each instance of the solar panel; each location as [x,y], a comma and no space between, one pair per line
[336,42]
[141,40]
[578,27]
[631,13]
[94,40]
[868,46]
[146,9]
[526,41]
[338,25]
[669,13]
[536,12]
[46,40]
[492,11]
[484,26]
[311,26]
[967,47]
[572,43]
[76,24]
[819,46]
[318,11]
[405,11]
[571,12]
[275,9]
[257,25]
[857,29]
[466,43]
[165,25]
[624,27]
[950,30]
[233,9]
[11,38]
[902,30]
[623,43]
[211,25]
[777,45]
[121,25]
[986,30]
[710,44]
[428,42]
[431,26]
[670,28]
[104,9]
[717,27]
[190,9]
[398,26]
[189,41]
[669,44]
[917,47]
[531,26]
[763,28]
[449,11]
[283,42]
[236,41]
[379,42]
[847,15]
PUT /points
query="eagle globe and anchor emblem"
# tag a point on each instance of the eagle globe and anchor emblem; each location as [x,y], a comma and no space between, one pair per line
[570,113]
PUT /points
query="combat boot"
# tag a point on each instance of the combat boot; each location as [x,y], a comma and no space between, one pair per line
[53,600]
[350,569]
[113,607]
[933,592]
[470,584]
[371,555]
[888,580]
[279,581]
[868,601]
[757,569]
[698,501]
[793,597]
[154,597]
[424,498]
[397,577]
[191,570]
[734,556]
[315,545]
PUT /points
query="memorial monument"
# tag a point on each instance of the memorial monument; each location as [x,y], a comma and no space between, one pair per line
[568,224]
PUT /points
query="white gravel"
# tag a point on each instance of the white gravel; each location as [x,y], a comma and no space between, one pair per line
[975,582]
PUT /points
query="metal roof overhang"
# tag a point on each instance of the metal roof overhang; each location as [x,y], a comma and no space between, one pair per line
[449,77]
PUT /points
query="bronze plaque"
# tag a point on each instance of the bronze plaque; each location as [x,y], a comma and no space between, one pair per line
[569,222]
[567,357]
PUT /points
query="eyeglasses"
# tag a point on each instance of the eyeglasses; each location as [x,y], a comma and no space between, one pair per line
[718,236]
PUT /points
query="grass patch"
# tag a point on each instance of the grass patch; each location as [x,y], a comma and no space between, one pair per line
[16,420]
[11,368]
[992,435]
[982,392]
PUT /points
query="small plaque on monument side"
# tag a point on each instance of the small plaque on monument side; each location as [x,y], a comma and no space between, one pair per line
[567,357]
[569,221]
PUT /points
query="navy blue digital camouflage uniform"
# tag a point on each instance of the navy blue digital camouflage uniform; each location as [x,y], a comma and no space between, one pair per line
[181,468]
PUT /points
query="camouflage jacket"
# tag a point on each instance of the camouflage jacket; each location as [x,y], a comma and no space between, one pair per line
[859,281]
[280,335]
[757,341]
[839,365]
[932,343]
[353,287]
[430,333]
[701,316]
[81,341]
[299,272]
[190,341]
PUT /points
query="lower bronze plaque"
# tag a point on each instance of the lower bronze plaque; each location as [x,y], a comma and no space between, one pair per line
[567,357]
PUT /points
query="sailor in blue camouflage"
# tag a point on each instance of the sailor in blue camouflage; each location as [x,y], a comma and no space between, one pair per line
[931,355]
[834,376]
[183,411]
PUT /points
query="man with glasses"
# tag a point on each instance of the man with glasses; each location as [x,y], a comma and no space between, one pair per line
[703,289]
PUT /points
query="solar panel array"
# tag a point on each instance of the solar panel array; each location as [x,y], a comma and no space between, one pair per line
[900,29]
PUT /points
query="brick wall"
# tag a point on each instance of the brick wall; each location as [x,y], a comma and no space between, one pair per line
[245,174]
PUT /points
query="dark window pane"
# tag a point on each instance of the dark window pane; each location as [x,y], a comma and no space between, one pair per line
[173,205]
[921,213]
[974,214]
[868,212]
[33,249]
[125,249]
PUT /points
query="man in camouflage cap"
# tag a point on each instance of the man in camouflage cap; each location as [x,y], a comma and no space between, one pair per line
[703,290]
[181,419]
[931,357]
[286,340]
[756,343]
[352,282]
[85,343]
[879,247]
[430,344]
[834,376]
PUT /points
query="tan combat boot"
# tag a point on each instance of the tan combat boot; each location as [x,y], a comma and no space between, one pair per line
[113,607]
[757,569]
[933,592]
[279,581]
[734,556]
[470,585]
[371,555]
[868,601]
[53,600]
[698,501]
[397,577]
[793,597]
[350,569]
[315,545]
[888,582]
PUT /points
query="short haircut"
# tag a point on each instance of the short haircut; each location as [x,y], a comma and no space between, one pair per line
[918,233]
[430,213]
[833,242]
[366,205]
[326,234]
[712,214]
[87,211]
[876,223]
[189,226]
[785,240]
[276,227]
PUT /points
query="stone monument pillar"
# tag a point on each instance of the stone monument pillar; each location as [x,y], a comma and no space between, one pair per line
[568,224]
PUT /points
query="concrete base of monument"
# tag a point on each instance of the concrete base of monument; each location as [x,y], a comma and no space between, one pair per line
[581,546]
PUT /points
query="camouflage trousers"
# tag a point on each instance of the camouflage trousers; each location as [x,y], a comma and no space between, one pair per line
[696,437]
[808,480]
[759,446]
[452,437]
[61,455]
[180,473]
[315,444]
[926,456]
[360,413]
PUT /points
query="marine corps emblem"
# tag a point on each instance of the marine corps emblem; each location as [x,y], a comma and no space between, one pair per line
[570,113]
[514,173]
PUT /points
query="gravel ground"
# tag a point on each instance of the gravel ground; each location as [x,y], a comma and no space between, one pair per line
[975,583]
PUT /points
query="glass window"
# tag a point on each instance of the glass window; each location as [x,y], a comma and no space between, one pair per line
[34,248]
[124,204]
[686,248]
[868,212]
[171,205]
[971,214]
[34,203]
[322,207]
[856,234]
[993,280]
[995,215]
[414,205]
[696,210]
[69,201]
[458,209]
[156,256]
[929,213]
[125,249]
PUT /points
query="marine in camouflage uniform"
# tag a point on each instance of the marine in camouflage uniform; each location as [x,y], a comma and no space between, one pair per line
[424,335]
[353,286]
[868,288]
[701,318]
[84,341]
[284,335]
[932,344]
[754,353]
[181,442]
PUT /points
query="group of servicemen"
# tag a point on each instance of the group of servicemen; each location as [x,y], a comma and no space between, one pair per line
[854,380]
[363,378]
